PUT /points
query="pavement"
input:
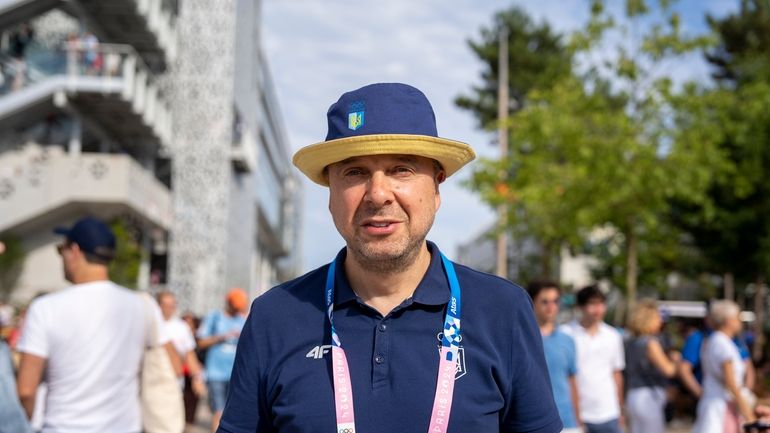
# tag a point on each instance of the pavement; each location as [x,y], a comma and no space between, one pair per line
[202,419]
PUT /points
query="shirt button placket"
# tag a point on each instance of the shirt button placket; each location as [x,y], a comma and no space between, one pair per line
[380,368]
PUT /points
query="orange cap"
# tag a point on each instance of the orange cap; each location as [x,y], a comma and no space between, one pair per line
[238,298]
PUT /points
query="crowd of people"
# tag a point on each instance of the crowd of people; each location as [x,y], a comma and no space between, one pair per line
[605,379]
[74,372]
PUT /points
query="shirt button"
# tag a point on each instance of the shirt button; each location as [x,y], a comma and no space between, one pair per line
[382,327]
[379,359]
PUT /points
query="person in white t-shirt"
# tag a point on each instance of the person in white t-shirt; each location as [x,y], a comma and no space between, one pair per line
[600,364]
[88,341]
[722,402]
[182,338]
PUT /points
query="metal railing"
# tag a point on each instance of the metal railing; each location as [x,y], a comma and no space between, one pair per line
[95,67]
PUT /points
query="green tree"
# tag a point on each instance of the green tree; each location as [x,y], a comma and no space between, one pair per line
[595,148]
[732,228]
[124,269]
[11,262]
[743,53]
[536,57]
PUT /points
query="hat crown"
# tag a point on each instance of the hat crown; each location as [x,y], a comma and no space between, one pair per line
[382,108]
[91,235]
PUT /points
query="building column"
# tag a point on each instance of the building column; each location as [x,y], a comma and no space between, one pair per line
[75,143]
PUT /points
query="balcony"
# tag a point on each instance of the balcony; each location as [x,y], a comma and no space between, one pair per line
[109,84]
[42,185]
[148,25]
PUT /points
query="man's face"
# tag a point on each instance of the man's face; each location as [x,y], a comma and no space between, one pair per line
[594,310]
[547,305]
[167,305]
[70,254]
[384,205]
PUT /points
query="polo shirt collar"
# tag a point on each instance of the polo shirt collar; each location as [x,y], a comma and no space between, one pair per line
[432,290]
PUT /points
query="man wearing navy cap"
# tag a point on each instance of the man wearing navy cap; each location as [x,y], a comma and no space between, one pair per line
[87,340]
[391,336]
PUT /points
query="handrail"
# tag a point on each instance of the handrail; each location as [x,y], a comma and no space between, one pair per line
[73,58]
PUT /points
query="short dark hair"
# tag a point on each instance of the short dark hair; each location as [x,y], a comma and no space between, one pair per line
[97,260]
[535,287]
[588,294]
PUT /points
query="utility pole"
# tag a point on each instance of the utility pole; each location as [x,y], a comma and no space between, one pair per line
[502,133]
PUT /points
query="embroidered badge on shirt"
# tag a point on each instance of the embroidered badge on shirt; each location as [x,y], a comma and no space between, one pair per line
[356,115]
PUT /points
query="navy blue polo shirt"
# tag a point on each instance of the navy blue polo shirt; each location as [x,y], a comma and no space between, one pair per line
[282,379]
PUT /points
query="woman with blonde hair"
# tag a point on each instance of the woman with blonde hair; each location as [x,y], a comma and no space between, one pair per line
[723,375]
[648,369]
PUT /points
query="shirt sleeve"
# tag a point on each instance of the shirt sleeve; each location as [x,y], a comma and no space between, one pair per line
[529,372]
[246,410]
[204,330]
[161,328]
[691,349]
[34,335]
[571,356]
[619,362]
[720,349]
[189,340]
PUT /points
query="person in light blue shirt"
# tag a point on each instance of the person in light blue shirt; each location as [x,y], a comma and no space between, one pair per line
[219,333]
[13,418]
[560,355]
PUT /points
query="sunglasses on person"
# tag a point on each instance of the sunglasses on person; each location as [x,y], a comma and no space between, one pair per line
[63,246]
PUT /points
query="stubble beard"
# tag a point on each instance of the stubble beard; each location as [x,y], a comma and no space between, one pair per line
[396,258]
[387,262]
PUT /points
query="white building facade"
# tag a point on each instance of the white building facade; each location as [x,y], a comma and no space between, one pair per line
[157,112]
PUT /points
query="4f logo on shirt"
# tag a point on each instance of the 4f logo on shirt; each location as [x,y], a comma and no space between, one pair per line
[318,352]
[461,370]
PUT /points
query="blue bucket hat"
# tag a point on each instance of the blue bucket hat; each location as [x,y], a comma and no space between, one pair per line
[380,119]
[92,236]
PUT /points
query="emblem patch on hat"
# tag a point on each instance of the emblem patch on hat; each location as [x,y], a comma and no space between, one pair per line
[356,115]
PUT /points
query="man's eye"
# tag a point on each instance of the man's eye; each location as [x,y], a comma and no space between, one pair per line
[353,172]
[402,170]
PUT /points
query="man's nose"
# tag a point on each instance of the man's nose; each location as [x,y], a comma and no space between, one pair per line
[379,189]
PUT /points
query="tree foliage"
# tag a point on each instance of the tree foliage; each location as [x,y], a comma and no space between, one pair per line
[597,147]
[11,263]
[124,269]
[536,54]
[732,227]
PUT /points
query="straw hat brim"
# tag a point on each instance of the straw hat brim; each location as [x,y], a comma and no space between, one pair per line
[312,160]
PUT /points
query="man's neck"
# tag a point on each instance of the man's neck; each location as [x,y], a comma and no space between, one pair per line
[546,328]
[384,291]
[591,327]
[90,277]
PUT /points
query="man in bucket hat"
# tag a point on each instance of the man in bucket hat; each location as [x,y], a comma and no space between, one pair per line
[391,336]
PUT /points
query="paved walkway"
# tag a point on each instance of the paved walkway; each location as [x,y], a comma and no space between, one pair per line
[202,419]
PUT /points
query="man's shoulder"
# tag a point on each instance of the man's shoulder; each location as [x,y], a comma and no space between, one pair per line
[302,290]
[491,285]
[561,334]
[609,331]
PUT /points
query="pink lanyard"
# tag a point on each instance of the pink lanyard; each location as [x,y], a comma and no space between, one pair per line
[445,384]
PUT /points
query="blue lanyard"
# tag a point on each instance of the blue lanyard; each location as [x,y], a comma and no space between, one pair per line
[450,344]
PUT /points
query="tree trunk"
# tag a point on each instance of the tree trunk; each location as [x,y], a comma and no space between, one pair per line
[631,266]
[545,260]
[729,286]
[759,318]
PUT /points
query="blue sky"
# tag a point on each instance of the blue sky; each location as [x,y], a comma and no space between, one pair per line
[318,50]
